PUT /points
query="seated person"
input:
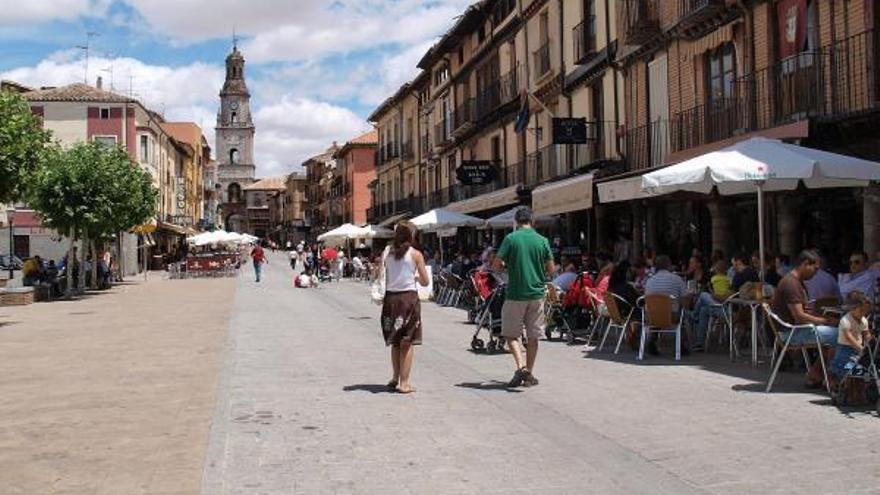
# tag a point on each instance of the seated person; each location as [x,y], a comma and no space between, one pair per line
[30,271]
[790,302]
[358,266]
[743,272]
[305,280]
[488,260]
[566,278]
[861,277]
[708,304]
[603,281]
[823,285]
[852,333]
[619,284]
[665,282]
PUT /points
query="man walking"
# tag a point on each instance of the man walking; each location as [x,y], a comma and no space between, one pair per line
[526,255]
[259,258]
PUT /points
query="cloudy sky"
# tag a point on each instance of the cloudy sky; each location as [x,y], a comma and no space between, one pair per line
[315,68]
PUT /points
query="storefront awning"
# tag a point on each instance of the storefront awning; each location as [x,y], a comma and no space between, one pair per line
[488,201]
[172,228]
[622,190]
[564,196]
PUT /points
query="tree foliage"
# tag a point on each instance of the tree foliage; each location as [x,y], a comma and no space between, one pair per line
[22,145]
[93,189]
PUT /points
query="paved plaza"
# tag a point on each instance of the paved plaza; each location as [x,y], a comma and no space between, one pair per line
[231,387]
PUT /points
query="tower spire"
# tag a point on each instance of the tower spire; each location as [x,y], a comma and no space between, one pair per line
[234,39]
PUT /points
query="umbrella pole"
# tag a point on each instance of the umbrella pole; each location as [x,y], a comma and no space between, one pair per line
[760,185]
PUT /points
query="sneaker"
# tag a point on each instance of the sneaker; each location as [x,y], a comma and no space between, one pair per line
[529,379]
[518,377]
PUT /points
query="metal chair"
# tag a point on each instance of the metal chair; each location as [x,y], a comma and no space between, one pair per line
[785,341]
[725,319]
[657,317]
[554,314]
[601,316]
[616,319]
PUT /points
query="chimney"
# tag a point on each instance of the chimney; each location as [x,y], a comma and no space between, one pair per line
[99,83]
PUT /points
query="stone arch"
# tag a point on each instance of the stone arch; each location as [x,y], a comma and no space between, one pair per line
[233,156]
[233,193]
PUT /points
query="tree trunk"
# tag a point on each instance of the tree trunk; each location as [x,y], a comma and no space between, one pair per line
[81,283]
[93,246]
[68,269]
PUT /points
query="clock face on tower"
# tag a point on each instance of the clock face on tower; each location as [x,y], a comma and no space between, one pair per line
[234,105]
[233,139]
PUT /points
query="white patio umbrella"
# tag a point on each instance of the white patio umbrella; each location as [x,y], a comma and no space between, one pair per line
[507,220]
[340,233]
[373,232]
[761,164]
[441,218]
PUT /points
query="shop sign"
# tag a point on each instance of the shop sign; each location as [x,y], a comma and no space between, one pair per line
[569,130]
[476,172]
[181,193]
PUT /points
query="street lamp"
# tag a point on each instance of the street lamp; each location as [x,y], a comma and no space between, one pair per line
[10,219]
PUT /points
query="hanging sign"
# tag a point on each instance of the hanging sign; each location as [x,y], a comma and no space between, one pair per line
[476,172]
[450,232]
[569,130]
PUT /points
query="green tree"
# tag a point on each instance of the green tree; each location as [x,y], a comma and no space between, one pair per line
[91,191]
[22,145]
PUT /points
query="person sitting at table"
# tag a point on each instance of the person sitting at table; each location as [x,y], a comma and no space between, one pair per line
[743,272]
[860,277]
[696,273]
[823,284]
[566,278]
[708,303]
[30,271]
[665,282]
[789,304]
[771,276]
[852,333]
[620,285]
[603,280]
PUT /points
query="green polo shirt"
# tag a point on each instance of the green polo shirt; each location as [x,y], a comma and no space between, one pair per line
[525,253]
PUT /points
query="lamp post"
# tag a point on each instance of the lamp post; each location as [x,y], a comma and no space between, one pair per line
[10,219]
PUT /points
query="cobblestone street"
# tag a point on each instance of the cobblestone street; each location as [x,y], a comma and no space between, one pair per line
[302,410]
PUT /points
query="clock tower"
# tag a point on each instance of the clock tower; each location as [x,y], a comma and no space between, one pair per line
[235,145]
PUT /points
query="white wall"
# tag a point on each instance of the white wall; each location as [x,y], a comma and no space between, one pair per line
[67,121]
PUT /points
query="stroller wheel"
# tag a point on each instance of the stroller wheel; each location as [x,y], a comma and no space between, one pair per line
[491,347]
[477,344]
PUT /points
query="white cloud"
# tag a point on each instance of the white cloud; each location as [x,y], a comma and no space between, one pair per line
[16,11]
[295,128]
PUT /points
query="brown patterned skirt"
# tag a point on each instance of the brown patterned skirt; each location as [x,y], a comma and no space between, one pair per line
[402,318]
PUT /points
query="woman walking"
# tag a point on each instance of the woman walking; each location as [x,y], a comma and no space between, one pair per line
[401,310]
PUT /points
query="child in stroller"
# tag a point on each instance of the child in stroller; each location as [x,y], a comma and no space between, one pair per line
[487,313]
[324,274]
[854,365]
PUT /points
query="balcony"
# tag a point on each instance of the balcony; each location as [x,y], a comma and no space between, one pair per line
[406,150]
[647,146]
[638,20]
[497,93]
[502,11]
[442,133]
[584,35]
[541,60]
[463,117]
[693,13]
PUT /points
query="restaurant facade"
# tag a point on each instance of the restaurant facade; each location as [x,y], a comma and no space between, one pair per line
[657,82]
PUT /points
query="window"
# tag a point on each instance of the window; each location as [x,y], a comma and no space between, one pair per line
[108,141]
[145,149]
[460,55]
[544,27]
[233,156]
[722,73]
[481,34]
[234,117]
[441,75]
[105,113]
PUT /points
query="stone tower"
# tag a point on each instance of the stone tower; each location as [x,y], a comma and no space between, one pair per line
[235,145]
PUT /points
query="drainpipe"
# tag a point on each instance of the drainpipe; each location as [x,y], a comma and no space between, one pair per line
[614,66]
[523,148]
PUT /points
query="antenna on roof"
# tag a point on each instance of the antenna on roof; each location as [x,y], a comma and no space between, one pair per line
[86,47]
[234,39]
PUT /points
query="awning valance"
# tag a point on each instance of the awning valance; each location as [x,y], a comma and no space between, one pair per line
[622,190]
[488,201]
[564,196]
[174,229]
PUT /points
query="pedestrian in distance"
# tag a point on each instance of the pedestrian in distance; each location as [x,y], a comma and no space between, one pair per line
[259,258]
[527,257]
[404,267]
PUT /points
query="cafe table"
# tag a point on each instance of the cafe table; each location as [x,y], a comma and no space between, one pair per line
[753,305]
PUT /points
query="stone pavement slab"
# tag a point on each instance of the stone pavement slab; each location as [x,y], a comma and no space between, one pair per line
[112,393]
[304,411]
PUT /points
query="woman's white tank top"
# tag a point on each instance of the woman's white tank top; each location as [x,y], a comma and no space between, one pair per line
[400,274]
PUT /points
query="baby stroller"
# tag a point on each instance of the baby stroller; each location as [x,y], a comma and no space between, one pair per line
[483,284]
[324,273]
[579,308]
[489,319]
[554,314]
[860,369]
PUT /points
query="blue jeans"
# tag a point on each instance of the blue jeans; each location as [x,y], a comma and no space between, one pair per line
[843,354]
[827,336]
[705,308]
[258,269]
